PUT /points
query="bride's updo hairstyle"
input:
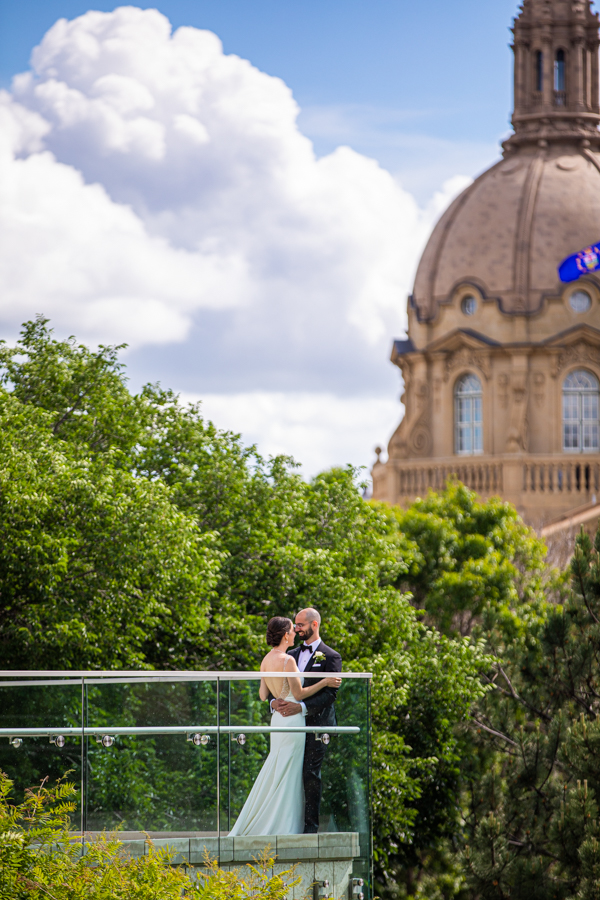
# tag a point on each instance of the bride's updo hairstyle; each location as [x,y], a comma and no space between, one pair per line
[277,627]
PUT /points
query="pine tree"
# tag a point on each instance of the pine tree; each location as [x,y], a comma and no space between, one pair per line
[533,817]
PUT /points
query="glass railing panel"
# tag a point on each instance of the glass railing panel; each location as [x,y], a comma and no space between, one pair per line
[345,772]
[163,777]
[345,806]
[341,850]
[40,733]
[240,763]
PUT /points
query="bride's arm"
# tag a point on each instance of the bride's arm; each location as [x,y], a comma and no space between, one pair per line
[301,693]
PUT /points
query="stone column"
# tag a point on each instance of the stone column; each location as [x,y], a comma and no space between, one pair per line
[594,74]
[517,439]
[575,98]
[441,426]
[520,81]
[548,73]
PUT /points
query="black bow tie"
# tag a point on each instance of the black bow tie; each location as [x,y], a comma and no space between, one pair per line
[307,647]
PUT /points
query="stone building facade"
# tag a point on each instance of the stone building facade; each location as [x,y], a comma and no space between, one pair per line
[501,365]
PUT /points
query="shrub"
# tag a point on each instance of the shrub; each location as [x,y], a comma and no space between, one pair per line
[41,859]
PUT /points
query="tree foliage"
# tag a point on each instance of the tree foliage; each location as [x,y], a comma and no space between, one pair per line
[533,817]
[136,534]
[41,858]
[475,569]
[477,565]
[98,568]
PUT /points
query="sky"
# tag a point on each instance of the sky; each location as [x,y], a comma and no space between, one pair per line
[241,191]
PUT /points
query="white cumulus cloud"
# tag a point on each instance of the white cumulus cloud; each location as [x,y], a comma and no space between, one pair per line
[310,427]
[158,191]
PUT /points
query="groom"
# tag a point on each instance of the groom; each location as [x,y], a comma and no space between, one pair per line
[312,656]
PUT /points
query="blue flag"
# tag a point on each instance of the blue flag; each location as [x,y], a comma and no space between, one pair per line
[582,263]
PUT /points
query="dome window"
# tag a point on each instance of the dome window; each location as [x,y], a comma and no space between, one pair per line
[539,71]
[580,301]
[468,415]
[580,412]
[559,78]
[468,305]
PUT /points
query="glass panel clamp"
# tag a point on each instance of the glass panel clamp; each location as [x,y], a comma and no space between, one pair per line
[199,740]
[356,889]
[322,890]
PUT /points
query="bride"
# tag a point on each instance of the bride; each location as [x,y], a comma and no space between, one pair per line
[275,804]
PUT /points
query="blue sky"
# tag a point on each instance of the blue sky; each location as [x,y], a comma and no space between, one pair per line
[406,82]
[188,215]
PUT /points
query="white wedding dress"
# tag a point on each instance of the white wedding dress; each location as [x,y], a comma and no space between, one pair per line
[275,805]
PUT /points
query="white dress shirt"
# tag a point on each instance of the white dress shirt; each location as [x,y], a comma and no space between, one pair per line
[305,655]
[303,659]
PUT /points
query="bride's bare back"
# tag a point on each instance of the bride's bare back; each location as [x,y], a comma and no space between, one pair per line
[276,662]
[291,686]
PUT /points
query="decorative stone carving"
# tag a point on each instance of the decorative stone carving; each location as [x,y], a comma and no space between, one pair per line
[503,381]
[413,435]
[517,438]
[405,367]
[467,357]
[581,352]
[420,440]
[539,379]
[437,394]
[420,431]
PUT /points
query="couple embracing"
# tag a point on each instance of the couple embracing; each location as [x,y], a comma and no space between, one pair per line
[286,796]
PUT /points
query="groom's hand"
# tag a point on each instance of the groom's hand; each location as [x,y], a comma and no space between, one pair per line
[276,704]
[287,708]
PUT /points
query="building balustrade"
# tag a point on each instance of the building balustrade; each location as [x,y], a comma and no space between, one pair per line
[572,477]
[577,475]
[416,478]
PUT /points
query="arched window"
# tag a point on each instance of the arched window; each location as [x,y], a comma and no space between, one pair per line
[539,71]
[559,78]
[580,412]
[468,417]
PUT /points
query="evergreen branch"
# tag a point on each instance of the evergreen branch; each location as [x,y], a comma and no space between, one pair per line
[496,733]
[512,693]
[583,594]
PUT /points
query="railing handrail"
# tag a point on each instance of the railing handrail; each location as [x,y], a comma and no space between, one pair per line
[455,459]
[563,456]
[149,730]
[51,676]
[479,459]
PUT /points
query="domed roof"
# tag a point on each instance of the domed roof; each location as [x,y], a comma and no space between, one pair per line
[507,233]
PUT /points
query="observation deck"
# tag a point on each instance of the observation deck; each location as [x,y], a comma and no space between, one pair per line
[171,757]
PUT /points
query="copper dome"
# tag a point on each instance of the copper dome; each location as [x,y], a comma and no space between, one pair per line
[508,231]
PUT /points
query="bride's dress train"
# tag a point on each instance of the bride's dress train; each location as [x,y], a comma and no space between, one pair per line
[275,805]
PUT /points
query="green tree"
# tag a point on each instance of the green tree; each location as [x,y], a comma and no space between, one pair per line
[477,565]
[475,569]
[533,817]
[138,534]
[97,568]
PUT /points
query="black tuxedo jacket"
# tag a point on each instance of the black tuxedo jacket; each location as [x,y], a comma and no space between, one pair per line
[320,709]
